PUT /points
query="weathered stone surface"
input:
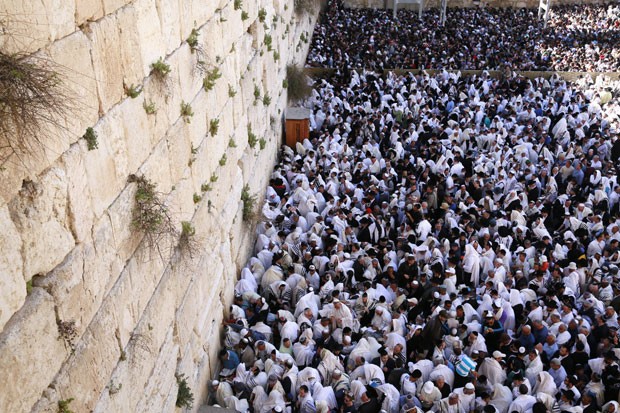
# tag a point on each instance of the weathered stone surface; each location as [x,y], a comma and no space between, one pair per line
[107,61]
[33,25]
[87,10]
[102,274]
[12,284]
[40,215]
[32,329]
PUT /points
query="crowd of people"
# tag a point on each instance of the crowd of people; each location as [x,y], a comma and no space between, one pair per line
[578,38]
[440,243]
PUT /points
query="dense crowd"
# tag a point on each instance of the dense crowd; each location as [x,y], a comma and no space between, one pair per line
[578,38]
[440,243]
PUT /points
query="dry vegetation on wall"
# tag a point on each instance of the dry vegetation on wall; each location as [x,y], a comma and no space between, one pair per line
[297,83]
[305,6]
[34,102]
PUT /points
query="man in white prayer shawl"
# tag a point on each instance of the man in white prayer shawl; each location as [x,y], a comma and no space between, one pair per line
[492,368]
[524,402]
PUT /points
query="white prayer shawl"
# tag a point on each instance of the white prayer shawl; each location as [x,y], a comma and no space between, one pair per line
[273,274]
[307,301]
[367,372]
[547,399]
[329,363]
[426,367]
[393,339]
[501,398]
[445,371]
[522,404]
[493,370]
[545,384]
[259,398]
[224,391]
[367,347]
[471,263]
[391,403]
[584,340]
[535,367]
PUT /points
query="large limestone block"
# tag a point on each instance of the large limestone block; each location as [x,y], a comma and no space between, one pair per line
[110,6]
[107,166]
[126,239]
[179,149]
[211,39]
[88,10]
[137,132]
[148,28]
[31,352]
[40,215]
[12,284]
[34,25]
[134,69]
[107,61]
[169,17]
[162,384]
[80,210]
[72,55]
[157,167]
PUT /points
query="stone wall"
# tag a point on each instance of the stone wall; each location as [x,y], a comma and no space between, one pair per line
[379,4]
[69,253]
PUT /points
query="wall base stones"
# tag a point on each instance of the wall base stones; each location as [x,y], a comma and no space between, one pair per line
[140,315]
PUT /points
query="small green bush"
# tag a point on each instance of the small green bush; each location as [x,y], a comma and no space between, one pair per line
[91,139]
[187,229]
[231,143]
[133,91]
[276,56]
[160,69]
[192,40]
[63,406]
[256,92]
[197,198]
[185,397]
[262,15]
[237,4]
[249,201]
[149,107]
[268,41]
[231,91]
[214,125]
[205,187]
[209,81]
[244,15]
[213,178]
[252,139]
[223,160]
[266,99]
[262,143]
[186,111]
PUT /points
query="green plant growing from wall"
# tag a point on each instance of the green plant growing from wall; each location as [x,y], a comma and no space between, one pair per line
[186,112]
[252,139]
[185,397]
[231,91]
[266,99]
[188,243]
[276,55]
[133,91]
[223,160]
[214,125]
[63,405]
[297,83]
[192,40]
[160,69]
[268,41]
[150,215]
[205,187]
[91,139]
[237,4]
[149,107]
[303,37]
[213,179]
[244,15]
[262,14]
[197,198]
[231,143]
[262,143]
[212,76]
[249,202]
[256,93]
